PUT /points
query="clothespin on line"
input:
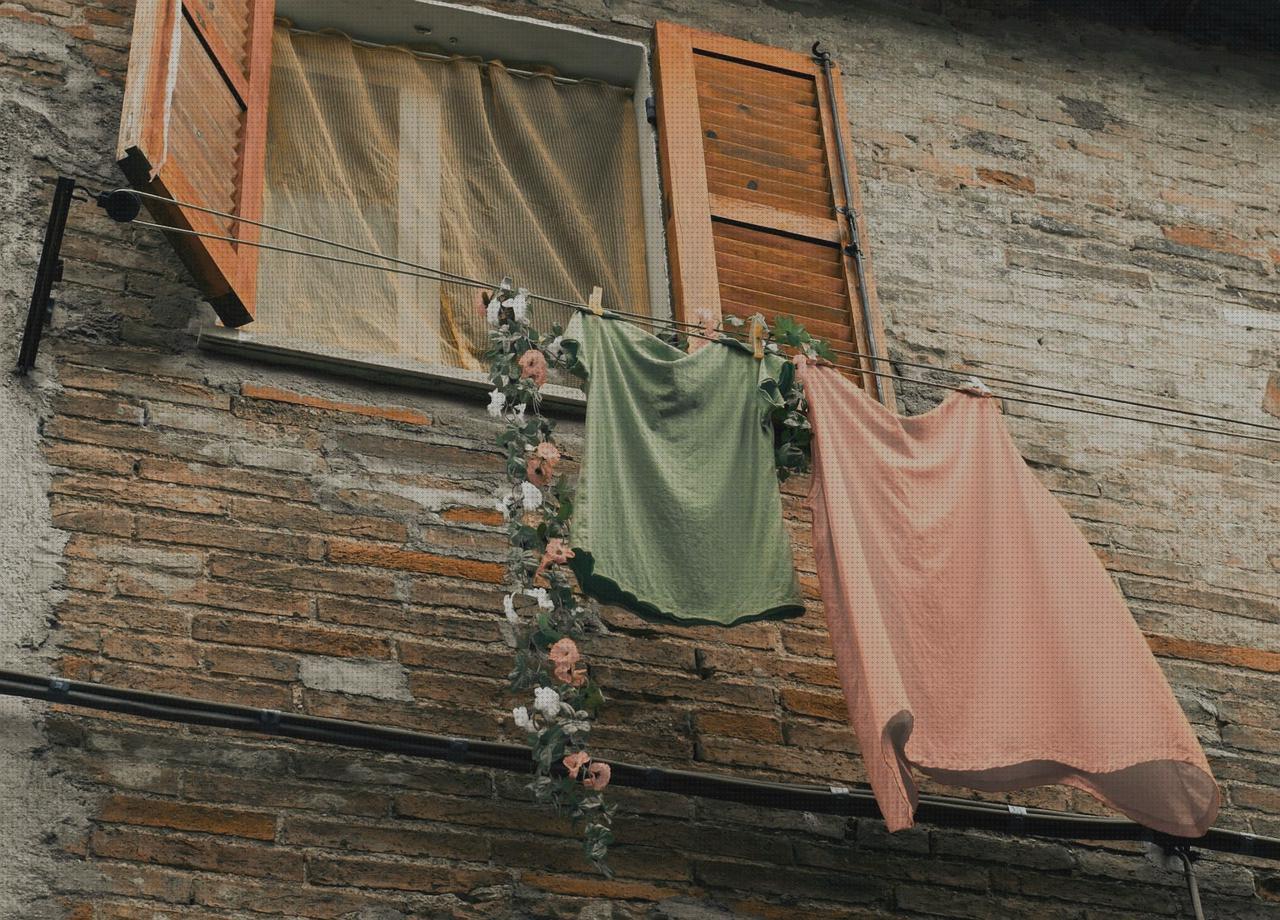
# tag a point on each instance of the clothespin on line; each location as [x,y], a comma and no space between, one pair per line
[758,330]
[596,299]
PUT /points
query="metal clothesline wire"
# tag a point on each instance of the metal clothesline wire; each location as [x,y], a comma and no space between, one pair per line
[422,271]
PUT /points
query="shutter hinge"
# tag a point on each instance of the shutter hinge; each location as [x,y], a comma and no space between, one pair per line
[651,111]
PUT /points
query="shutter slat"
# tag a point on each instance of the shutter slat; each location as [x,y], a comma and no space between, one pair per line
[767,183]
[194,129]
[752,187]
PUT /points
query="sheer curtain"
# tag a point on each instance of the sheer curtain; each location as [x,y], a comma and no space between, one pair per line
[455,164]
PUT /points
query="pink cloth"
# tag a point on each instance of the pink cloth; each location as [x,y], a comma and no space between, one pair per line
[977,636]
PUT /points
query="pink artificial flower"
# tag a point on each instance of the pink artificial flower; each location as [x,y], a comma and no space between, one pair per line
[556,553]
[575,762]
[568,674]
[708,329]
[533,365]
[564,652]
[598,776]
[538,471]
[541,465]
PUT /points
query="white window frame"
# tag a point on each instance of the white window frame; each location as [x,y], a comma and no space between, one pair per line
[468,30]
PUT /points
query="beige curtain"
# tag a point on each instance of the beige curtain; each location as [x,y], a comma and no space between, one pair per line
[443,163]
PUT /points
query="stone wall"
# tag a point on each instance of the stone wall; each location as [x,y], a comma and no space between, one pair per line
[1080,205]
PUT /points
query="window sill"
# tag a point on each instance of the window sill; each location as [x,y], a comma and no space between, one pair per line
[394,371]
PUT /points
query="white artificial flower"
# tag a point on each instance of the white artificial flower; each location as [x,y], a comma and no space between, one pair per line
[519,413]
[521,716]
[509,608]
[519,305]
[504,507]
[542,597]
[497,400]
[547,701]
[491,311]
[554,348]
[531,495]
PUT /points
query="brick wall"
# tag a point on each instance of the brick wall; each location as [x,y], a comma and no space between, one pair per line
[1091,207]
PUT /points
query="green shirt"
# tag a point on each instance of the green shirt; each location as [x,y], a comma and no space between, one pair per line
[677,512]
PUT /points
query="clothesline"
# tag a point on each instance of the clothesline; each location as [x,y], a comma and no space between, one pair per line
[413,269]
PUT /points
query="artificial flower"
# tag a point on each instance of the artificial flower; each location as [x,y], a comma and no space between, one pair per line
[504,507]
[530,496]
[555,348]
[556,553]
[533,366]
[491,311]
[564,652]
[542,597]
[521,717]
[575,762]
[598,776]
[519,413]
[547,701]
[538,470]
[568,674]
[509,608]
[497,400]
[707,333]
[519,305]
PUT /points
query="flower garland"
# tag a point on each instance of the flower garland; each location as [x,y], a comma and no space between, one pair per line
[547,621]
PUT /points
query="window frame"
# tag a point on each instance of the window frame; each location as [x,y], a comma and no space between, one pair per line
[516,40]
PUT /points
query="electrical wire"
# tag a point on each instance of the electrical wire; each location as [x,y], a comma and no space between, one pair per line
[416,270]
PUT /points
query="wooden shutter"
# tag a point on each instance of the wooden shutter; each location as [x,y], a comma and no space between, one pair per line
[751,183]
[194,128]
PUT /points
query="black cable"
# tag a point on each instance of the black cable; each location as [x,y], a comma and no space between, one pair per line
[858,802]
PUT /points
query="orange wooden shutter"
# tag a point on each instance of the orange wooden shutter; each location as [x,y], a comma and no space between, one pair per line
[194,128]
[751,183]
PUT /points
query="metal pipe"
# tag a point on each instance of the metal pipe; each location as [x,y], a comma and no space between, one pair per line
[940,810]
[854,247]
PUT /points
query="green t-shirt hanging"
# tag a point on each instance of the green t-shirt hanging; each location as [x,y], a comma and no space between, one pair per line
[677,512]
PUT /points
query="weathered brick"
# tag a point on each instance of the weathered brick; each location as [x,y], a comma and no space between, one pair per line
[273,574]
[103,408]
[286,636]
[196,852]
[389,413]
[198,532]
[400,839]
[403,876]
[150,650]
[1255,659]
[315,520]
[140,385]
[88,518]
[182,816]
[234,479]
[391,557]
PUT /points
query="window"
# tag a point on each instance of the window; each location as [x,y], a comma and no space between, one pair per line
[476,159]
[512,147]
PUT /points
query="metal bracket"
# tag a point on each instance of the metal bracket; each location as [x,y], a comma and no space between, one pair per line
[48,273]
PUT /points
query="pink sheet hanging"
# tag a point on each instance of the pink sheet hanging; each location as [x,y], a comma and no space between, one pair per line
[977,636]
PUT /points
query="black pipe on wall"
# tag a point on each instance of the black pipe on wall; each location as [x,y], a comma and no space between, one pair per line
[944,811]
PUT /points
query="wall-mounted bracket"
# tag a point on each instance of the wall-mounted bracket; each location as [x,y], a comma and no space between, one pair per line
[48,273]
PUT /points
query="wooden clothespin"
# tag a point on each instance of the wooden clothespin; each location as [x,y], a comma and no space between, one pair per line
[758,331]
[595,302]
